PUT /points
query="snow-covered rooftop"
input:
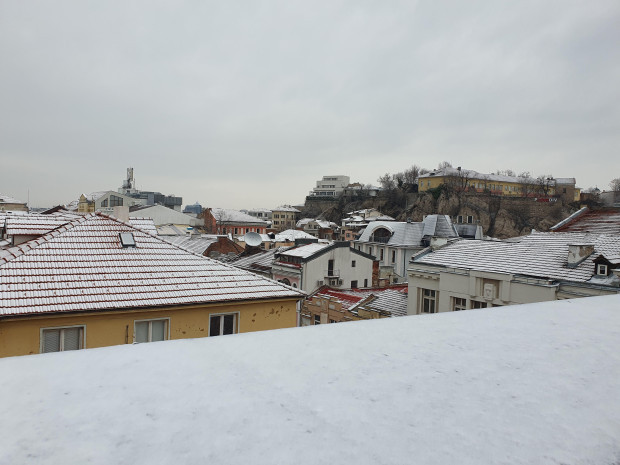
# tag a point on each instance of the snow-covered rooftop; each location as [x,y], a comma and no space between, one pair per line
[305,251]
[539,254]
[392,300]
[601,220]
[411,234]
[520,385]
[83,266]
[286,208]
[8,199]
[229,216]
[194,243]
[290,235]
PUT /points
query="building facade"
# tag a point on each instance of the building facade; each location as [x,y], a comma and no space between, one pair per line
[539,267]
[330,186]
[310,266]
[97,281]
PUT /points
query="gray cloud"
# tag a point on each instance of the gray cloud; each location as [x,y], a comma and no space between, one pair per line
[246,104]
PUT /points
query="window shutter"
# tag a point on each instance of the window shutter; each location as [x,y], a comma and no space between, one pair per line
[71,338]
[51,340]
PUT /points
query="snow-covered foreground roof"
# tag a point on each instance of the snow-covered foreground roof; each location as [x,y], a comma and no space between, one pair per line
[531,384]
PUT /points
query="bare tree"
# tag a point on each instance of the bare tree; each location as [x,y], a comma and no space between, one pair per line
[506,173]
[444,164]
[387,182]
[615,185]
[544,183]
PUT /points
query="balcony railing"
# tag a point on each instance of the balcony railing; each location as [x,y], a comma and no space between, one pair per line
[332,273]
[382,239]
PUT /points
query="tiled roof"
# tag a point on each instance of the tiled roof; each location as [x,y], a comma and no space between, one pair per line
[543,255]
[37,224]
[194,243]
[286,208]
[82,266]
[390,299]
[229,216]
[602,221]
[261,261]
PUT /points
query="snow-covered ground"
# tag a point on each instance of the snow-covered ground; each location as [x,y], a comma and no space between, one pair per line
[532,384]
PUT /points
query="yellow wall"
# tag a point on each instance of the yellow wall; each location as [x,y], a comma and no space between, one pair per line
[507,188]
[21,336]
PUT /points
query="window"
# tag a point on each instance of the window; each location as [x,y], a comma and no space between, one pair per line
[150,330]
[352,263]
[317,319]
[381,255]
[459,303]
[393,256]
[601,269]
[104,203]
[332,321]
[127,239]
[470,219]
[366,282]
[429,299]
[116,201]
[354,284]
[476,304]
[61,339]
[220,325]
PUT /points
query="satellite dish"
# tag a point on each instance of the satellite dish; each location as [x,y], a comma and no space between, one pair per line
[252,239]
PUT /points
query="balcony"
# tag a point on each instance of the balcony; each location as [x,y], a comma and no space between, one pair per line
[332,273]
[381,239]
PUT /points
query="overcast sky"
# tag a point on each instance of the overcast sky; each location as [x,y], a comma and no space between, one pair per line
[247,104]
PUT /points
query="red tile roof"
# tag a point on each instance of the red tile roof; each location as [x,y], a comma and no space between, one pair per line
[83,266]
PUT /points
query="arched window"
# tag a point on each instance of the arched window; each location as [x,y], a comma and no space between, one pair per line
[381,235]
[286,281]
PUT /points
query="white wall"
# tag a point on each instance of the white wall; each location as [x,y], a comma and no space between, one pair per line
[315,270]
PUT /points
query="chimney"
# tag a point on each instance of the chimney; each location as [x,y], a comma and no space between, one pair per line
[577,253]
[121,213]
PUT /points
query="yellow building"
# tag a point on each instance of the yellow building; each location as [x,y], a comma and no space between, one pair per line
[97,282]
[514,186]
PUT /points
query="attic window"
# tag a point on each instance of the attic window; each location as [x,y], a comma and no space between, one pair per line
[601,269]
[127,239]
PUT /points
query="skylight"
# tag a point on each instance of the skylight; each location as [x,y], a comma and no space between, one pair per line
[127,239]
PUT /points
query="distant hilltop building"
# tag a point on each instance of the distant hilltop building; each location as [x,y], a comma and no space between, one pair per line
[331,186]
[496,184]
[128,188]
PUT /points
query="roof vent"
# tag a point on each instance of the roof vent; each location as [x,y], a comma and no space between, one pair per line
[127,239]
[577,253]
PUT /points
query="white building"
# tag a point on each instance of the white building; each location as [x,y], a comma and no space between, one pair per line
[163,215]
[394,243]
[331,186]
[310,266]
[534,268]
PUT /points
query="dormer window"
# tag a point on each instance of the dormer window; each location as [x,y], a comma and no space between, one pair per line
[127,239]
[601,270]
